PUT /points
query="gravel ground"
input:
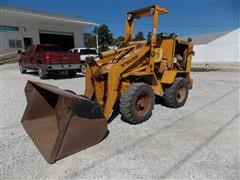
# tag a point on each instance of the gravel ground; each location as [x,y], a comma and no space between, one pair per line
[199,140]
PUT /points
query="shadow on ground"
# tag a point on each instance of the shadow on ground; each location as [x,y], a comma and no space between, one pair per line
[57,76]
[116,109]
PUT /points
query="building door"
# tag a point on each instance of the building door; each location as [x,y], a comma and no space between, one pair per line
[63,39]
[27,42]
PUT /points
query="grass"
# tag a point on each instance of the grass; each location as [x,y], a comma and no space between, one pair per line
[9,60]
[202,69]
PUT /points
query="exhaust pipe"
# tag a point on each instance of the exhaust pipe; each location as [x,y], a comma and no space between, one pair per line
[61,123]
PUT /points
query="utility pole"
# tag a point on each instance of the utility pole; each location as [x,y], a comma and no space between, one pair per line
[96,33]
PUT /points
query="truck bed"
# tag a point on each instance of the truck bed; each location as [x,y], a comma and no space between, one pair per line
[59,57]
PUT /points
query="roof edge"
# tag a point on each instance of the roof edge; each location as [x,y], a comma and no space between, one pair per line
[46,15]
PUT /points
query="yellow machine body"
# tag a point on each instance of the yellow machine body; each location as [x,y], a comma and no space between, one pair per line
[61,123]
[137,61]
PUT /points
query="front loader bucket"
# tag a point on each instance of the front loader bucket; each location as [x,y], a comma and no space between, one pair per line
[61,123]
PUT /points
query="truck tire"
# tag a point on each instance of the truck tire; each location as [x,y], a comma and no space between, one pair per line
[72,73]
[83,68]
[136,104]
[22,69]
[42,72]
[176,95]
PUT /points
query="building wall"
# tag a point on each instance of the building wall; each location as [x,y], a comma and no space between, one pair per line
[225,49]
[199,56]
[31,30]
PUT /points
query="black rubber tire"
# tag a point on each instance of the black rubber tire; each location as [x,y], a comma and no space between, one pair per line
[129,100]
[83,67]
[22,69]
[42,72]
[72,73]
[170,96]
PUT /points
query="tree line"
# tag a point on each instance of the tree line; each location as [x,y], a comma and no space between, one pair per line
[106,39]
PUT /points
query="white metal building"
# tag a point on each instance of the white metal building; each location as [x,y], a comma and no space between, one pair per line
[20,28]
[217,48]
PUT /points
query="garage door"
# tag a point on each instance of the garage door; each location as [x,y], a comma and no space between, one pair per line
[64,40]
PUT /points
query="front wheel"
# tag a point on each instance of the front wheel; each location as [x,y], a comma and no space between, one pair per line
[176,95]
[136,104]
[83,68]
[42,72]
[22,69]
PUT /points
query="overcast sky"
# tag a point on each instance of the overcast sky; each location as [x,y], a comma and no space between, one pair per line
[186,17]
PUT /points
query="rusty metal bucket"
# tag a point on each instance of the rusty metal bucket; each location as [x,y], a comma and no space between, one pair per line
[61,123]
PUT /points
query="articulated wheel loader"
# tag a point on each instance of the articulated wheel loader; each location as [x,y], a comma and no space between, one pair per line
[61,123]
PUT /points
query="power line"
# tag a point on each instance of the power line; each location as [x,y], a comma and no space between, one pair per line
[167,25]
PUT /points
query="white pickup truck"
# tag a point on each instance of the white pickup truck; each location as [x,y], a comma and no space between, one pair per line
[84,52]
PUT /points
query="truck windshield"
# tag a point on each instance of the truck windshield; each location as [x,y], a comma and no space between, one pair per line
[47,48]
[88,51]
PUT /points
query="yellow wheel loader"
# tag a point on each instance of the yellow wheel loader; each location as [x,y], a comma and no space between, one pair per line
[61,123]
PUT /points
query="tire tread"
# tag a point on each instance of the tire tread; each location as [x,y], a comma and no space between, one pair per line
[169,94]
[126,100]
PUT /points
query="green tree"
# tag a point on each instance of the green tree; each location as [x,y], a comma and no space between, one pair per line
[149,36]
[105,37]
[139,36]
[118,40]
[89,40]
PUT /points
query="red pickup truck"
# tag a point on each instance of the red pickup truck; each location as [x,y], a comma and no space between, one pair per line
[47,59]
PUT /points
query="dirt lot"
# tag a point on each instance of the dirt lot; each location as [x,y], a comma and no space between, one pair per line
[199,140]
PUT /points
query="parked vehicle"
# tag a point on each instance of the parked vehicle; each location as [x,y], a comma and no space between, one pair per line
[84,52]
[47,58]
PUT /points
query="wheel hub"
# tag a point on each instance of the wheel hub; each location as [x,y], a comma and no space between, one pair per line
[142,104]
[181,93]
[83,68]
[40,72]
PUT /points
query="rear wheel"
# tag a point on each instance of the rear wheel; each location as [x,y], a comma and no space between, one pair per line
[136,104]
[22,69]
[83,68]
[42,72]
[176,95]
